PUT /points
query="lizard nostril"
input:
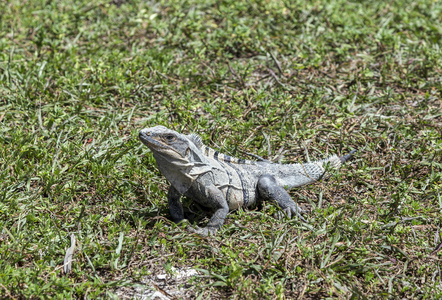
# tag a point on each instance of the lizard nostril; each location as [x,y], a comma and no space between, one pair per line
[145,133]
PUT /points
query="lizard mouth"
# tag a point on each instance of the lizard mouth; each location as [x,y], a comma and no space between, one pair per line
[159,143]
[150,141]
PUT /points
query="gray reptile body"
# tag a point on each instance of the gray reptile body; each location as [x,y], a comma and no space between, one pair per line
[222,182]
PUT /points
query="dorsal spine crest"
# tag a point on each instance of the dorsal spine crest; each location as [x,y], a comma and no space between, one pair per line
[209,152]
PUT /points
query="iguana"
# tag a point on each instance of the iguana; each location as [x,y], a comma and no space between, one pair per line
[222,182]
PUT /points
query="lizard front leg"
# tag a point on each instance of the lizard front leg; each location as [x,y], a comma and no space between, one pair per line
[214,199]
[269,190]
[175,206]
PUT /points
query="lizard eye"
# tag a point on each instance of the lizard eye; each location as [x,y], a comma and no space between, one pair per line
[170,137]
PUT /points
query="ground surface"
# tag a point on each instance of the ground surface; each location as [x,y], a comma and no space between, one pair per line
[79,79]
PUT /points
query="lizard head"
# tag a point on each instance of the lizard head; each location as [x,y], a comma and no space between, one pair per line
[165,141]
[178,156]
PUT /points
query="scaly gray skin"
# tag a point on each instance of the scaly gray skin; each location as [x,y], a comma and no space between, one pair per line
[222,182]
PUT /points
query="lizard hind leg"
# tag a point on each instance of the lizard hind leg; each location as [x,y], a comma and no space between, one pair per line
[269,190]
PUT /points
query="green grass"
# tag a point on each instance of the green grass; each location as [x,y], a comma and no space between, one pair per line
[79,79]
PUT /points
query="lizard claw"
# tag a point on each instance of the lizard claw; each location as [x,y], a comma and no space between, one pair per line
[206,231]
[294,211]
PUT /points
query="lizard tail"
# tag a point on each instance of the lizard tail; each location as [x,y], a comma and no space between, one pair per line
[348,156]
[295,175]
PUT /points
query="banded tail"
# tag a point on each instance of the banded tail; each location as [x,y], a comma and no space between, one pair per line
[348,156]
[295,175]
